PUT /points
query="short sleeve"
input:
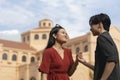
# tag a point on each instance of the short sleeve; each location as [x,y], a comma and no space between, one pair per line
[46,61]
[108,49]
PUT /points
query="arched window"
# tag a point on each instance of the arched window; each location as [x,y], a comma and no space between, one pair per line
[77,49]
[22,79]
[32,78]
[44,24]
[36,36]
[14,57]
[23,58]
[38,58]
[28,38]
[49,24]
[32,59]
[44,36]
[4,56]
[86,48]
[39,24]
[23,39]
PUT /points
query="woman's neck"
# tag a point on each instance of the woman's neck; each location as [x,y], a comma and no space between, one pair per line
[57,45]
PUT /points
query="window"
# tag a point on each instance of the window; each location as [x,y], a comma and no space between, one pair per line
[77,49]
[36,36]
[44,24]
[32,59]
[23,58]
[23,39]
[32,78]
[86,48]
[28,38]
[38,58]
[39,24]
[44,36]
[49,24]
[14,58]
[4,56]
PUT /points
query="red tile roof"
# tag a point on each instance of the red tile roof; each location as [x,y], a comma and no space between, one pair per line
[14,44]
[79,38]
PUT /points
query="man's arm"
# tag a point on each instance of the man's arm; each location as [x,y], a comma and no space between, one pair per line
[86,64]
[83,61]
[108,70]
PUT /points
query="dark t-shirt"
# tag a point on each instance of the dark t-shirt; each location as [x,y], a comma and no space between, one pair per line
[106,51]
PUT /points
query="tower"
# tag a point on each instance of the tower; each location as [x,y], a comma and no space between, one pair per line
[38,37]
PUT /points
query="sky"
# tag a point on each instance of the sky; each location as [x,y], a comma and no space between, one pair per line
[18,16]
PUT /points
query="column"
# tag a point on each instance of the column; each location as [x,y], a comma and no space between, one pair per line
[19,58]
[27,65]
[1,52]
[9,53]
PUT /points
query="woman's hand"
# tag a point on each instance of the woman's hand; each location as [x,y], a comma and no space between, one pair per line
[83,61]
[80,57]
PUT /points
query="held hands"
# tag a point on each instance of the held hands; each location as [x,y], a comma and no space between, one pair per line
[80,58]
[83,61]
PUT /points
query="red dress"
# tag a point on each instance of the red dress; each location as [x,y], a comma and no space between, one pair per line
[55,66]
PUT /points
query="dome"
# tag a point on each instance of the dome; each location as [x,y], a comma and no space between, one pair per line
[45,23]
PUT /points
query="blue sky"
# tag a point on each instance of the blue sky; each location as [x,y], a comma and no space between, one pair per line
[17,16]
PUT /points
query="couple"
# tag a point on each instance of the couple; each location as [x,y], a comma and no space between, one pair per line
[58,64]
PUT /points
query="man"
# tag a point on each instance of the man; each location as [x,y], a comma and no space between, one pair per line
[106,54]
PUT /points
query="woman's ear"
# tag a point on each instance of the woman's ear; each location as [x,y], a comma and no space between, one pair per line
[54,36]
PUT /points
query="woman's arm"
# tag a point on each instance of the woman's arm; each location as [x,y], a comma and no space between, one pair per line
[43,76]
[73,68]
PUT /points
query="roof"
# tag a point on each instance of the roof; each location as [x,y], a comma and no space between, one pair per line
[46,19]
[115,27]
[79,38]
[16,45]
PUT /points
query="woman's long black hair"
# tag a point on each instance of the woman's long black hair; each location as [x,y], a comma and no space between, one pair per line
[51,40]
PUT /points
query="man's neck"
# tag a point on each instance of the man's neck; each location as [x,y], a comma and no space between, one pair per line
[102,31]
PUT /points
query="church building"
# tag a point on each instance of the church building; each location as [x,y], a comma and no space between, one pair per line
[20,60]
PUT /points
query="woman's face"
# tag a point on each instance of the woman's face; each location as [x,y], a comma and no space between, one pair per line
[61,36]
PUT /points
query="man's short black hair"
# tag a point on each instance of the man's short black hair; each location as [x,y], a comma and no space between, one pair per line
[103,18]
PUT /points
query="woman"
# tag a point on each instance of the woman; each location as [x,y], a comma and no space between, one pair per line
[57,62]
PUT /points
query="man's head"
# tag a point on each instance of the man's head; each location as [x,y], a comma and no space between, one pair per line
[98,21]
